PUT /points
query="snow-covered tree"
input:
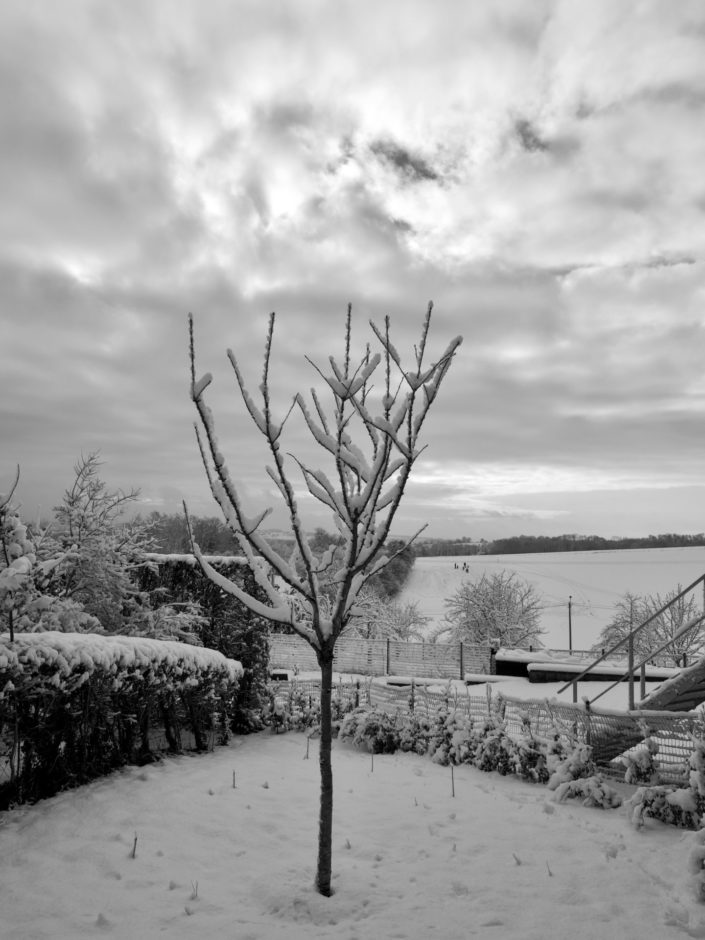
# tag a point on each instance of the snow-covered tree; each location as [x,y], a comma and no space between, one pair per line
[315,594]
[498,608]
[106,549]
[632,610]
[78,575]
[379,617]
[30,563]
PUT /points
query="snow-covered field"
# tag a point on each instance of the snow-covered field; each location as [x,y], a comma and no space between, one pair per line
[500,859]
[595,580]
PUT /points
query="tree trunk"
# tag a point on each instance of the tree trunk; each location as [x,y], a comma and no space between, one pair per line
[325,819]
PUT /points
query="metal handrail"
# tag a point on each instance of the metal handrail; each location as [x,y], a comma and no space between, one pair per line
[633,633]
[632,672]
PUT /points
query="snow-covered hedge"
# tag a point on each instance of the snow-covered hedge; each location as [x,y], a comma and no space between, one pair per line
[75,705]
[37,662]
[451,737]
[227,625]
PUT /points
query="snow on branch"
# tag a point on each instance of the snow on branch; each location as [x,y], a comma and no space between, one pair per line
[364,496]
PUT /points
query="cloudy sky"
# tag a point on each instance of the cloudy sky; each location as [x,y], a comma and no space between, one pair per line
[534,168]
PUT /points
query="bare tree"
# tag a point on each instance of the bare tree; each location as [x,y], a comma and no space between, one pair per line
[363,493]
[633,610]
[499,607]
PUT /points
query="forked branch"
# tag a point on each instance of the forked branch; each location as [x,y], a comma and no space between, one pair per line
[363,496]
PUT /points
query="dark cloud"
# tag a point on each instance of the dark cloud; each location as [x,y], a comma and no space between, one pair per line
[411,166]
[529,137]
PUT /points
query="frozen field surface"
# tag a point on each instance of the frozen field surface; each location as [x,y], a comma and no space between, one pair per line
[595,580]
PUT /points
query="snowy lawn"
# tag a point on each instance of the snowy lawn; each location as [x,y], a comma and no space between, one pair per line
[501,859]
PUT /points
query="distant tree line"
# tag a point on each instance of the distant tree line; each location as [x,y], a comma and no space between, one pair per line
[429,547]
[524,544]
[527,544]
[214,537]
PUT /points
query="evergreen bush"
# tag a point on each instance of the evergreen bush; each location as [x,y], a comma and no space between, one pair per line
[76,706]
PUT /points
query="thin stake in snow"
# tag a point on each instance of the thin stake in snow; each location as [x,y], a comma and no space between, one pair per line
[452,780]
[133,853]
[234,783]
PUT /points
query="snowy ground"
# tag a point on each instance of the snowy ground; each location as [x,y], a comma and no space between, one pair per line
[595,580]
[501,859]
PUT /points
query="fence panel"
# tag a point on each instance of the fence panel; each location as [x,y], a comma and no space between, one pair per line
[384,657]
[610,734]
[367,657]
[424,659]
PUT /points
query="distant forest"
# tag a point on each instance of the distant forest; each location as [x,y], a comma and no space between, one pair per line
[214,537]
[526,544]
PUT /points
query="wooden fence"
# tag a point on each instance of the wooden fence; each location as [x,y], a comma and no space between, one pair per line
[384,657]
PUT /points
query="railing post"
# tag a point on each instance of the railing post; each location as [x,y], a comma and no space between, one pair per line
[642,682]
[387,671]
[575,693]
[462,665]
[630,653]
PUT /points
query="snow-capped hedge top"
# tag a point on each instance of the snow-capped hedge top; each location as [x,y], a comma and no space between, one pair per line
[161,559]
[55,656]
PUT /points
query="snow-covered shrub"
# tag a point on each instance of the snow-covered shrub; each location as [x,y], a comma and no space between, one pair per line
[454,737]
[296,706]
[445,726]
[415,731]
[371,727]
[79,705]
[640,763]
[678,806]
[574,765]
[556,750]
[672,805]
[593,791]
[530,754]
[464,738]
[493,750]
[641,766]
[301,711]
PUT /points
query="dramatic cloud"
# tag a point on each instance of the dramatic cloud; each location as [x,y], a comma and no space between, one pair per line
[536,169]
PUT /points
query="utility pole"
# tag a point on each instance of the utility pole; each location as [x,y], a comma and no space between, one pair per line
[570,623]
